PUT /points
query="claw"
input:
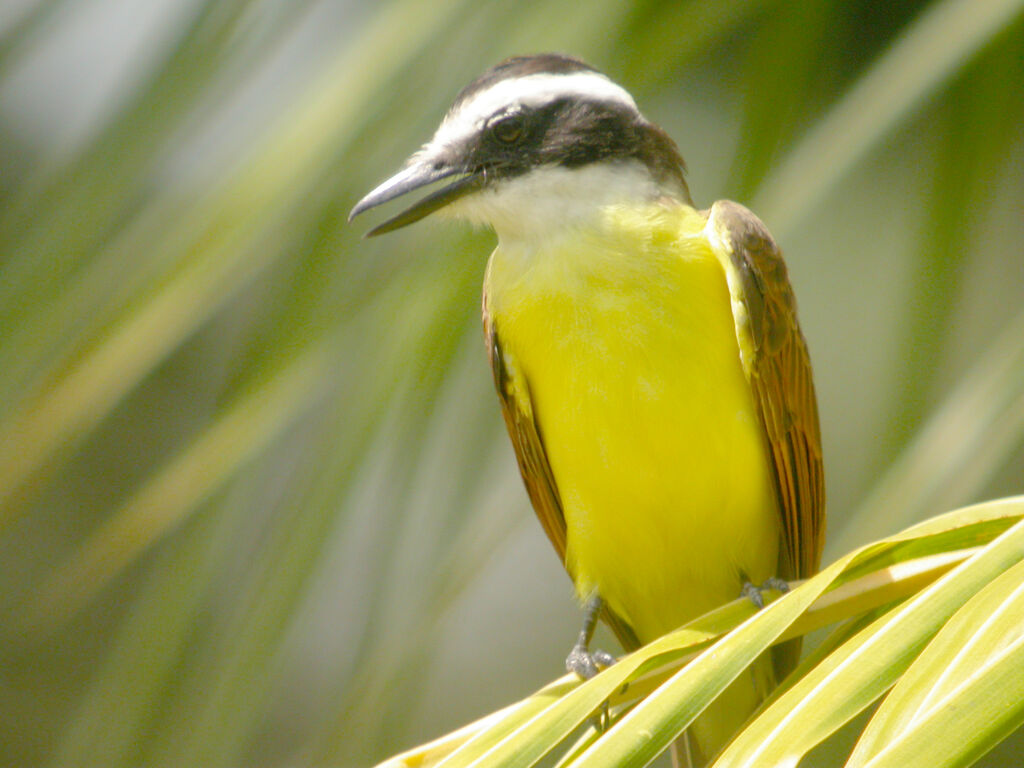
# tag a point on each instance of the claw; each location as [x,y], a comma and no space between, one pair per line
[753,592]
[780,585]
[603,659]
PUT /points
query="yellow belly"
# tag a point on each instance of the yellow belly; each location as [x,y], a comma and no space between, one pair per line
[625,335]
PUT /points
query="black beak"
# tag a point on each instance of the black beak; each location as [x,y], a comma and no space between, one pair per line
[410,179]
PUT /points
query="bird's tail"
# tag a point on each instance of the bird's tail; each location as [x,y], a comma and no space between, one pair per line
[724,717]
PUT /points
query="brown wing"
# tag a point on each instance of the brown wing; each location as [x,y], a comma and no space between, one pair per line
[780,374]
[533,461]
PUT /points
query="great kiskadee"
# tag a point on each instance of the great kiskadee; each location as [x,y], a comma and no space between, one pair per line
[651,371]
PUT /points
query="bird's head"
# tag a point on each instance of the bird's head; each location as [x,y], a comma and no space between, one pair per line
[535,143]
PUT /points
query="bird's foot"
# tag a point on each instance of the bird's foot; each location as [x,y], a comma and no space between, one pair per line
[753,592]
[585,663]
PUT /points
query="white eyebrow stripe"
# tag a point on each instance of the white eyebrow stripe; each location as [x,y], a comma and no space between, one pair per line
[530,90]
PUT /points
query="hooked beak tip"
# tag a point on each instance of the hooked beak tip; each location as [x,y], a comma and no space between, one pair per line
[356,210]
[404,181]
[413,178]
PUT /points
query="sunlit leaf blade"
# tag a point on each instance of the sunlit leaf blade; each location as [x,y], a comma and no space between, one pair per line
[971,641]
[556,713]
[590,734]
[863,669]
[537,724]
[657,721]
[523,734]
[969,721]
[429,755]
[660,719]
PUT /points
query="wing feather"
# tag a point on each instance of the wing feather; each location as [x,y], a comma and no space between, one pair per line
[779,369]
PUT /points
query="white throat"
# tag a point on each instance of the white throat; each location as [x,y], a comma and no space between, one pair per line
[550,201]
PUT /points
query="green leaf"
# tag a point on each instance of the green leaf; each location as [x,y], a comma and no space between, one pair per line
[868,665]
[676,676]
[973,640]
[986,708]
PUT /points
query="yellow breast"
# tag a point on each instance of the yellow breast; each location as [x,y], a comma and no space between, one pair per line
[625,335]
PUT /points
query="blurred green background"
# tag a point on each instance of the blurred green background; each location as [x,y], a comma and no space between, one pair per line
[257,507]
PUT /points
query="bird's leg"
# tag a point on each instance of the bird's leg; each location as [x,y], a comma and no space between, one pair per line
[581,659]
[753,592]
[586,663]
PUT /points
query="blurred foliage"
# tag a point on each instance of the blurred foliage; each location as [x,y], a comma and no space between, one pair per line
[250,466]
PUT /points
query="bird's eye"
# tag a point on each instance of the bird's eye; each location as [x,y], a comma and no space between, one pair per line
[508,129]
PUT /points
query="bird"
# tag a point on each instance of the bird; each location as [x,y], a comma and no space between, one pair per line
[652,374]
